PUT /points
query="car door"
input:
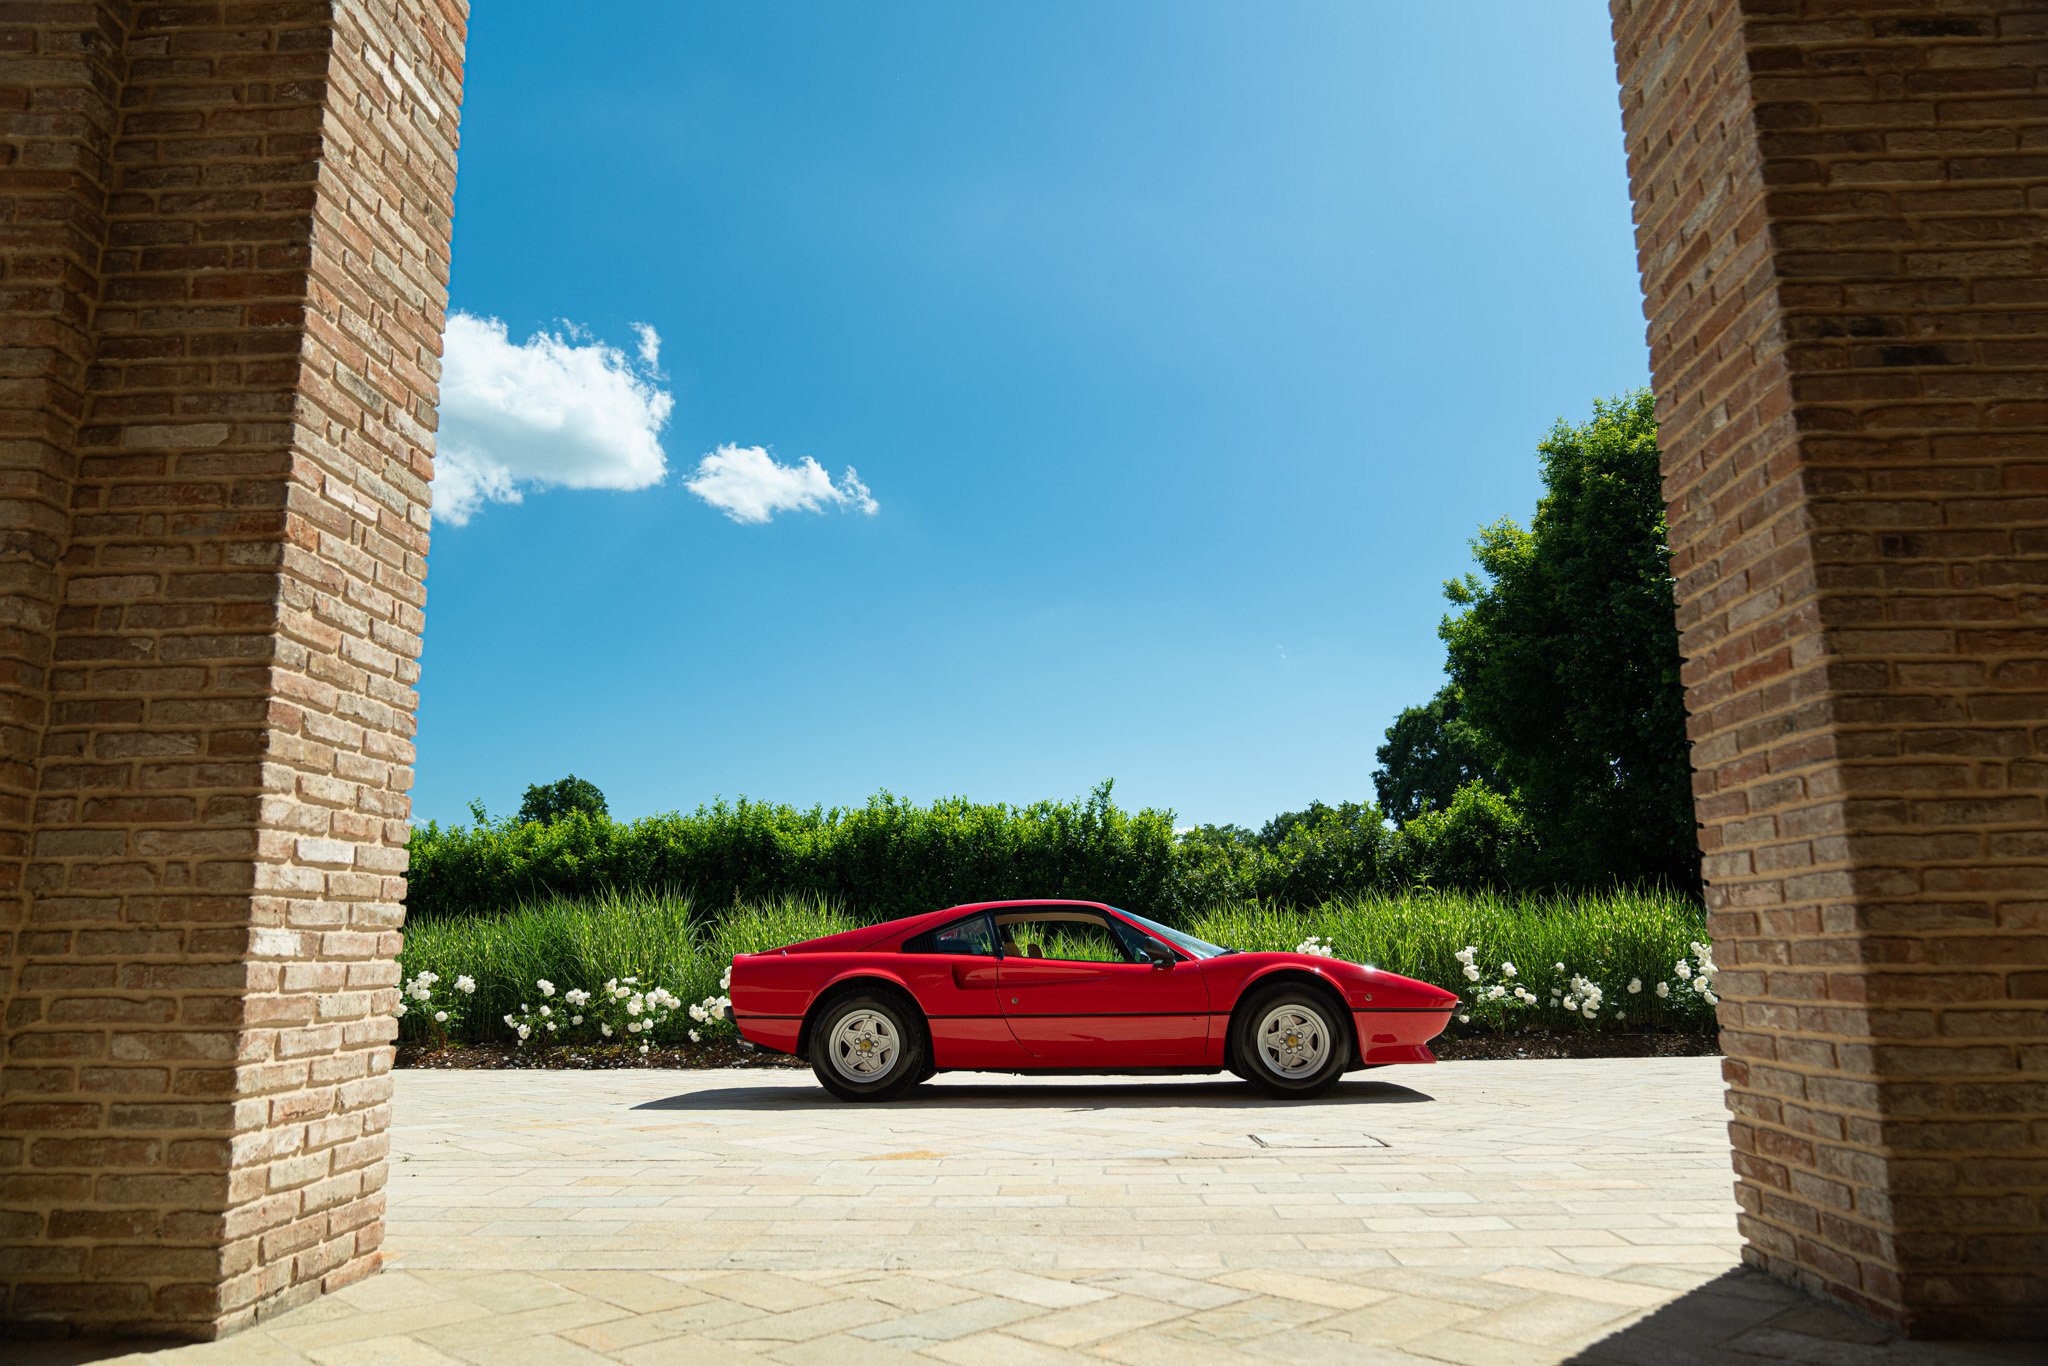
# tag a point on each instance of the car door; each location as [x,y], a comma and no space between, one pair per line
[1074,996]
[955,975]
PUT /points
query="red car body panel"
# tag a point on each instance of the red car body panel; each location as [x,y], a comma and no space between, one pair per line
[1013,1013]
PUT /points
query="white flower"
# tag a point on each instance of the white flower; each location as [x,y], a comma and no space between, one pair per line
[725,982]
[547,988]
[524,1031]
[546,1011]
[466,985]
[1471,973]
[575,1019]
[1495,992]
[1635,986]
[633,1006]
[1682,968]
[621,993]
[643,1048]
[440,1017]
[401,1007]
[1467,954]
[1663,990]
[575,997]
[698,1013]
[1507,969]
[695,1037]
[607,1030]
[1464,1019]
[719,1009]
[1712,999]
[1558,966]
[1590,1011]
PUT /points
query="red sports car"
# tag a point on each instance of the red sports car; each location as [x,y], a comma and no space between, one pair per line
[1071,986]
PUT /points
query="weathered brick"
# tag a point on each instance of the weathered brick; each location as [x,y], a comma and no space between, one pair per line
[214,541]
[1842,281]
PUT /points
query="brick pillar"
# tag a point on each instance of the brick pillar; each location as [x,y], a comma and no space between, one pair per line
[223,275]
[1842,217]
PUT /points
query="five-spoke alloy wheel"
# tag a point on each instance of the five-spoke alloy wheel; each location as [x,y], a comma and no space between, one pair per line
[1291,1041]
[868,1046]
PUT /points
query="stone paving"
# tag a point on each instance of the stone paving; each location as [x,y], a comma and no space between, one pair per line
[1476,1212]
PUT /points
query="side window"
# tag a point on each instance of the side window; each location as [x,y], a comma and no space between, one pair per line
[969,936]
[1073,936]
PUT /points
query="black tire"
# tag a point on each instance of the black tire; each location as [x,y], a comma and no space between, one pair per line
[834,1062]
[1324,1021]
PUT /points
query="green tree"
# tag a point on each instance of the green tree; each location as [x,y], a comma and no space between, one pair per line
[1565,658]
[547,803]
[1477,839]
[1431,752]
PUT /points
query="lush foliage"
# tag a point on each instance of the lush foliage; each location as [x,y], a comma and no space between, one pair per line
[628,964]
[580,945]
[1608,940]
[1430,753]
[893,858]
[549,802]
[890,857]
[1563,654]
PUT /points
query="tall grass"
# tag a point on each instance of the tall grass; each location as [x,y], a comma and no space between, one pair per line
[583,943]
[1611,938]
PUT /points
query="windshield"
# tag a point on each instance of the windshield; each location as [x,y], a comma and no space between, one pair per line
[1187,943]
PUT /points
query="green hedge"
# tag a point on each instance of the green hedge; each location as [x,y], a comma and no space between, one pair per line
[892,857]
[885,859]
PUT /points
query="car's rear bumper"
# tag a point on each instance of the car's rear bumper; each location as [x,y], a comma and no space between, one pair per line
[778,1032]
[1386,1036]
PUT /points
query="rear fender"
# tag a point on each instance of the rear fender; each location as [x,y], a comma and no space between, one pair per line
[851,979]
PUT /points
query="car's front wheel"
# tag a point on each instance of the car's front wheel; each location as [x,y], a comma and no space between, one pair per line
[1291,1042]
[868,1046]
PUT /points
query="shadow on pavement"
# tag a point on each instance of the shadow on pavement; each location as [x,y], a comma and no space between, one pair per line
[79,1351]
[1745,1316]
[1046,1095]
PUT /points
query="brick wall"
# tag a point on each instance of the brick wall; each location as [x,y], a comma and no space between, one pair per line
[1842,211]
[216,752]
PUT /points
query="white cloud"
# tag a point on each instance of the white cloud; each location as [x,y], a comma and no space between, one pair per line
[557,410]
[750,485]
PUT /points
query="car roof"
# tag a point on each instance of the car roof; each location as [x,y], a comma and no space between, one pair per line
[914,924]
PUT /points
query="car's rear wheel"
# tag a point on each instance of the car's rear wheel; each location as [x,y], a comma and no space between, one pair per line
[1291,1042]
[868,1046]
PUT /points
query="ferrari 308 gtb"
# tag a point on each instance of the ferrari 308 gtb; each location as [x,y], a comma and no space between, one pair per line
[1071,986]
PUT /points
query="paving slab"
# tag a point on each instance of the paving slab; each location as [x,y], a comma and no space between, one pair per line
[1476,1212]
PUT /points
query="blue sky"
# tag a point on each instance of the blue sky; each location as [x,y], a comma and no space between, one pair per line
[1180,347]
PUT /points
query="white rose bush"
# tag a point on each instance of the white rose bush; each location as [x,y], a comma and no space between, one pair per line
[437,1005]
[1508,999]
[621,1012]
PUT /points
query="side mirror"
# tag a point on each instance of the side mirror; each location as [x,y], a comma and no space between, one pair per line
[1161,956]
